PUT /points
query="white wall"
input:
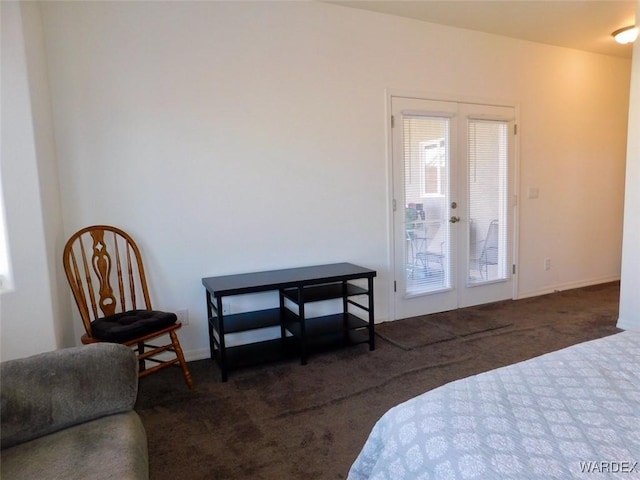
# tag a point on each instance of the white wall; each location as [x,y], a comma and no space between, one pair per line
[629,298]
[239,136]
[32,314]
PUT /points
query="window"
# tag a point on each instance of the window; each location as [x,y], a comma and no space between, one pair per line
[5,271]
[432,159]
[488,155]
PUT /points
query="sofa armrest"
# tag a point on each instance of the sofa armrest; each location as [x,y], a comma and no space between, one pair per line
[55,390]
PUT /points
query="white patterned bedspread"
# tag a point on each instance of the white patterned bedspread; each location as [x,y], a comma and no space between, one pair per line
[574,413]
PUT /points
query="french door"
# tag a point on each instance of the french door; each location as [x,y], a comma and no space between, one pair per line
[453,213]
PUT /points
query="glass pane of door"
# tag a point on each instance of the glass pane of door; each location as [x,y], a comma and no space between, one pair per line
[488,151]
[453,210]
[427,172]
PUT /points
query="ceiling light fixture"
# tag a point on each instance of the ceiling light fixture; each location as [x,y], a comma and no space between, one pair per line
[626,34]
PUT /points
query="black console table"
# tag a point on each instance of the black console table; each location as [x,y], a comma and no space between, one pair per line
[296,287]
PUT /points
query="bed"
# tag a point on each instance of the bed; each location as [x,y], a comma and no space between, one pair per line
[574,413]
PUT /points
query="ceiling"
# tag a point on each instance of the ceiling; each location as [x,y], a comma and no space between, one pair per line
[584,25]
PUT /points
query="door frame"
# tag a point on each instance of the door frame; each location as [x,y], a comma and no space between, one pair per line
[391,237]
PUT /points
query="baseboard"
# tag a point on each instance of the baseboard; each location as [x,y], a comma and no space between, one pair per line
[626,324]
[198,354]
[567,286]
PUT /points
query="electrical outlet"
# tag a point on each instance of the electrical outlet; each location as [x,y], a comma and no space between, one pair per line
[183,316]
[547,264]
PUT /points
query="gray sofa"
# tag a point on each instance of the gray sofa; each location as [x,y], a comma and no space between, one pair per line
[68,414]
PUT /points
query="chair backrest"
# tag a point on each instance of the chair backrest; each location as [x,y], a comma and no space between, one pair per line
[105,272]
[491,243]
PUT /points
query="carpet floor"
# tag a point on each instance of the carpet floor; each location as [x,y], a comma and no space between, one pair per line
[283,421]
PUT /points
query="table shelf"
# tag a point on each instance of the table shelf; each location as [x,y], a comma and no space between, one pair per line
[324,292]
[299,286]
[242,322]
[254,353]
[308,329]
[324,325]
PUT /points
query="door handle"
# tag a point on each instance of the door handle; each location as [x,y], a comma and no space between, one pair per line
[454,219]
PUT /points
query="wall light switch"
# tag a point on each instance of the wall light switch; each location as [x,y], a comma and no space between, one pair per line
[533,193]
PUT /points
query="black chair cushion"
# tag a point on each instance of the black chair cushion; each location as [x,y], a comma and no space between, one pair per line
[126,326]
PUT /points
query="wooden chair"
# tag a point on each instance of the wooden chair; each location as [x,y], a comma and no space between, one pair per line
[105,271]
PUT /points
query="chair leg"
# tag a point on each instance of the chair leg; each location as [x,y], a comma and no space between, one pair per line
[180,355]
[141,364]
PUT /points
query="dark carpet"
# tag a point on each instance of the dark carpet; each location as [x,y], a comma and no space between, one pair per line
[283,421]
[426,330]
